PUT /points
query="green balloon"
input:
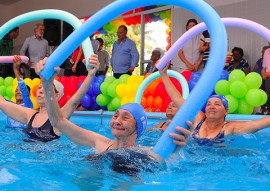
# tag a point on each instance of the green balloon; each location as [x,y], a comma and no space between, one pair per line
[2,81]
[8,81]
[116,103]
[109,79]
[256,97]
[222,87]
[110,107]
[238,89]
[232,102]
[112,90]
[116,81]
[123,78]
[253,80]
[9,91]
[3,90]
[104,88]
[236,75]
[264,97]
[244,107]
[102,100]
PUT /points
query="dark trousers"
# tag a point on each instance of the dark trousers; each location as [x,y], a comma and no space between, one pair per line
[33,74]
[6,70]
[117,75]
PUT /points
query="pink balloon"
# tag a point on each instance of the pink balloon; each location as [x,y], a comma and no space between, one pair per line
[9,59]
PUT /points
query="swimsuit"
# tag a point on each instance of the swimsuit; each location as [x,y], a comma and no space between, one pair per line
[44,133]
[162,124]
[205,141]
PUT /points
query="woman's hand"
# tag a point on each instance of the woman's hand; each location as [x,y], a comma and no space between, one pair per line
[17,61]
[180,138]
[40,67]
[93,61]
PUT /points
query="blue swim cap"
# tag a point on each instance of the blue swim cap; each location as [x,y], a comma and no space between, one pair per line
[139,115]
[222,98]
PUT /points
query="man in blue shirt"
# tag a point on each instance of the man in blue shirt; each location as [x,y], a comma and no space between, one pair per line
[125,55]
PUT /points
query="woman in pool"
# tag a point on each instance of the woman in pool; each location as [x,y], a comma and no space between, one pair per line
[211,127]
[127,124]
[170,113]
[39,127]
[22,96]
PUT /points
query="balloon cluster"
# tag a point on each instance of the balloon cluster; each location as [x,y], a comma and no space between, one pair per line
[112,26]
[117,92]
[155,97]
[196,76]
[70,87]
[6,87]
[89,99]
[242,91]
[9,84]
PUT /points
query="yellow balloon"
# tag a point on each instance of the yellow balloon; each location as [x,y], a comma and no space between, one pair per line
[35,81]
[131,79]
[15,82]
[28,82]
[125,100]
[120,90]
[168,22]
[128,91]
[13,99]
[134,88]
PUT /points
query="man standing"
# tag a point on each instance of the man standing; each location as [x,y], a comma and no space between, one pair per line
[125,55]
[6,49]
[103,58]
[37,48]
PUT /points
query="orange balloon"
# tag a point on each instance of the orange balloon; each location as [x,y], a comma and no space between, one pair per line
[158,102]
[143,102]
[150,101]
[34,90]
[146,75]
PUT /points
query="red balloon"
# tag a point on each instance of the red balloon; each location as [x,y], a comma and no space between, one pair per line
[187,74]
[81,78]
[166,102]
[64,99]
[71,87]
[63,79]
[177,84]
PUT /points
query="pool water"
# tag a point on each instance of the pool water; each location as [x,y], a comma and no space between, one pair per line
[241,163]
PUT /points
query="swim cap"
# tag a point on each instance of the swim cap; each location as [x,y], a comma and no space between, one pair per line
[59,87]
[222,98]
[139,115]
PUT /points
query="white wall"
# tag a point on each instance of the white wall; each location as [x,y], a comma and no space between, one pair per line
[257,11]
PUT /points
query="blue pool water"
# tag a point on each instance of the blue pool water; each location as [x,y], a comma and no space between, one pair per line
[242,163]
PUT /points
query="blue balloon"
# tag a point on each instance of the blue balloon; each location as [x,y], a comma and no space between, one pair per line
[95,106]
[224,75]
[96,88]
[191,84]
[195,76]
[90,91]
[100,78]
[86,101]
